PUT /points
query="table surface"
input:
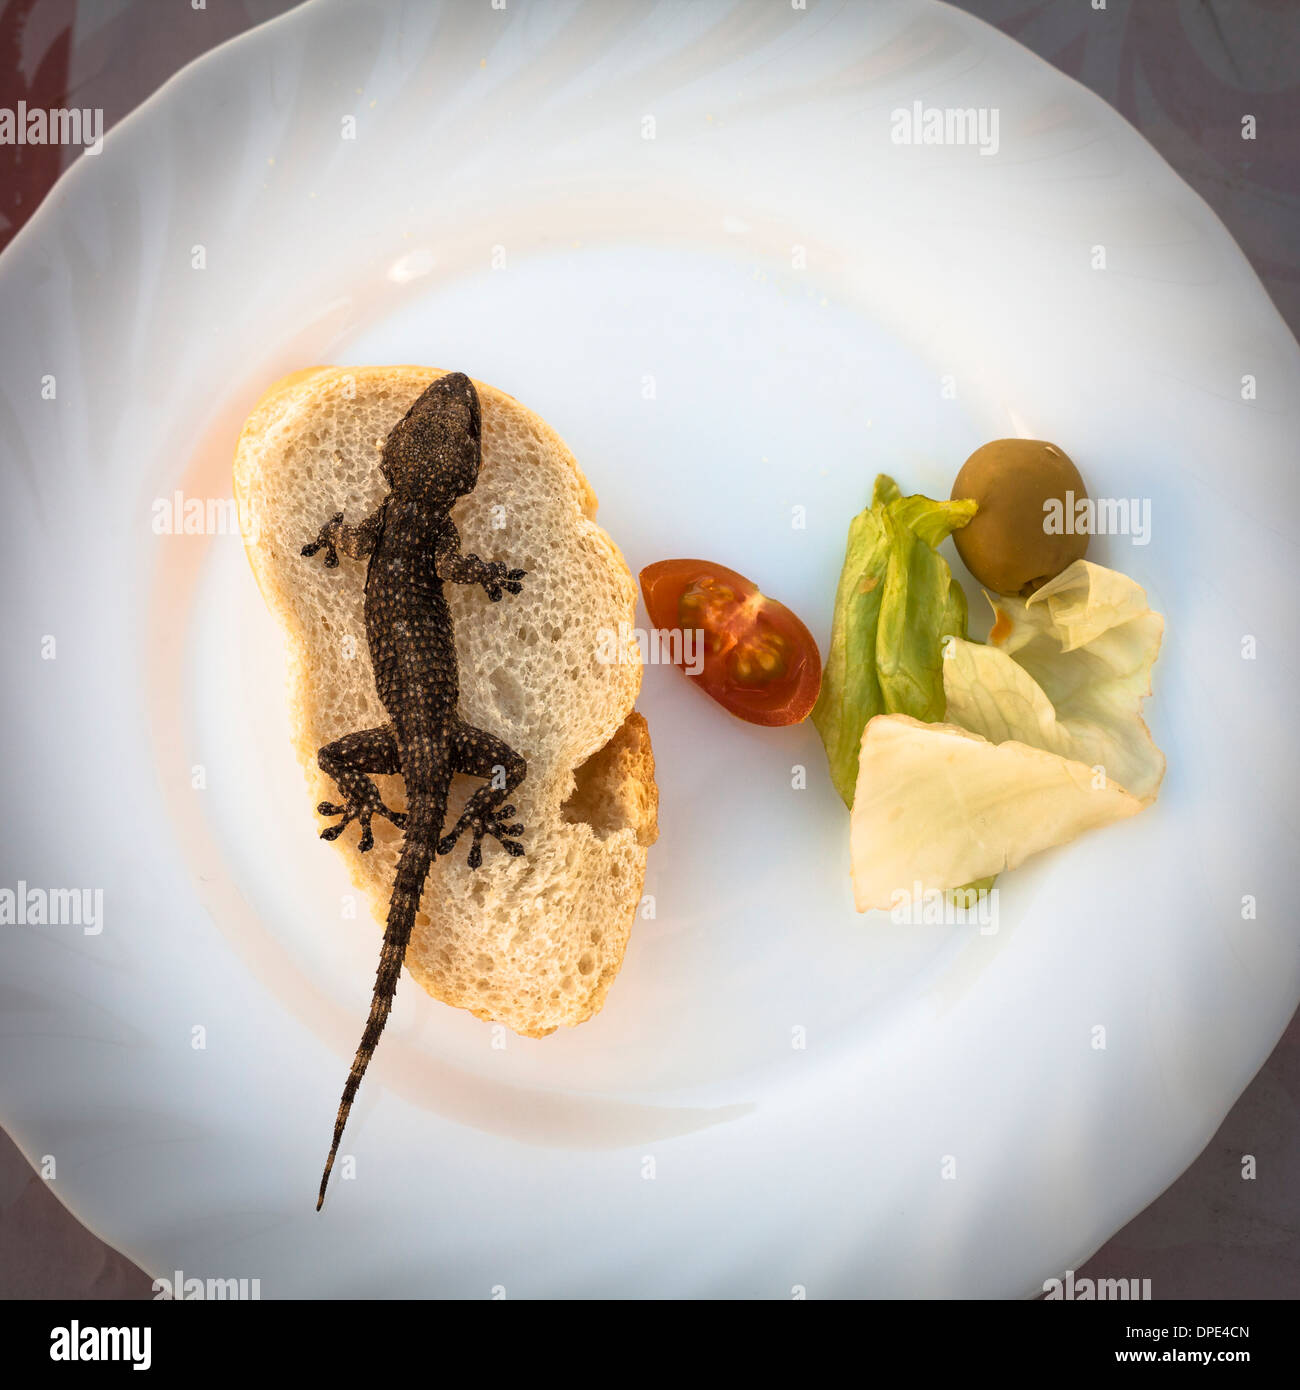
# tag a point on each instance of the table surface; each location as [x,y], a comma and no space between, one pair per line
[1185,74]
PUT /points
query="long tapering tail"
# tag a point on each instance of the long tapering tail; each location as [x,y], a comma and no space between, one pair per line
[408,885]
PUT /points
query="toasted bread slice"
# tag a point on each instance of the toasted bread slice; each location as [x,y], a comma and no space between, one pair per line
[532,942]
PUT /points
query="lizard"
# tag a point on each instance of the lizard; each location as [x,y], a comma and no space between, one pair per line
[429,460]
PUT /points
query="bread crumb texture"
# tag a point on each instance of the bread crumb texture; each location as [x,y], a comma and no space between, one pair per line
[533,942]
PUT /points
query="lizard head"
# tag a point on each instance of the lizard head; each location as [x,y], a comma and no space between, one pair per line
[433,452]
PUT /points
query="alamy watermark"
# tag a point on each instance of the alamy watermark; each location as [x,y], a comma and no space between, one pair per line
[59,125]
[1100,1290]
[919,124]
[182,1287]
[656,646]
[52,907]
[182,515]
[947,907]
[73,1342]
[1098,516]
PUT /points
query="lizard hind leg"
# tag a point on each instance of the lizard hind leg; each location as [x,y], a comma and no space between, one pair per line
[480,754]
[348,760]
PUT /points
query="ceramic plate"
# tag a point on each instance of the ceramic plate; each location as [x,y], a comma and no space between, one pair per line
[698,241]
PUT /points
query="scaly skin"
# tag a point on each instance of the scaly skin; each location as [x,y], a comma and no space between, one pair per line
[430,459]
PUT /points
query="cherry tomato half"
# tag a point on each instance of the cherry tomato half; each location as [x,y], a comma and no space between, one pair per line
[755,657]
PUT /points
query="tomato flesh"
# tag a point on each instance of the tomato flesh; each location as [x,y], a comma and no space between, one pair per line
[757,659]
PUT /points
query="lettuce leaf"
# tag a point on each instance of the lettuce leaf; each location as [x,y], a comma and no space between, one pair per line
[938,805]
[1066,671]
[895,606]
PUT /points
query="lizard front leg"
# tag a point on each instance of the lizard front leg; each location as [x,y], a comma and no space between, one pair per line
[354,541]
[455,568]
[481,754]
[347,761]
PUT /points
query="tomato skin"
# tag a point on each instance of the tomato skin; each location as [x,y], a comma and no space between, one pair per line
[759,661]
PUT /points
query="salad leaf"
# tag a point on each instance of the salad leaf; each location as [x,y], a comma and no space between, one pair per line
[1066,671]
[895,605]
[938,805]
[850,692]
[884,491]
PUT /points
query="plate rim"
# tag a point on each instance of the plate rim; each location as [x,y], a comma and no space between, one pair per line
[232,51]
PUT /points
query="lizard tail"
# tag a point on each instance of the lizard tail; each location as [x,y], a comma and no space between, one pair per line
[408,886]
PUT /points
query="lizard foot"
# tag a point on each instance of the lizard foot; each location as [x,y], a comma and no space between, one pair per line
[361,812]
[482,818]
[498,579]
[326,538]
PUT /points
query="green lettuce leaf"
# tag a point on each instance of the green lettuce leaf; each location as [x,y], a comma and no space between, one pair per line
[895,606]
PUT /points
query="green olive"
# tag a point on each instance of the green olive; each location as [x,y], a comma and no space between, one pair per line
[1014,542]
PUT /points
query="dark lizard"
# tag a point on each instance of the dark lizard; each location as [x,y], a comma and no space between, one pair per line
[430,459]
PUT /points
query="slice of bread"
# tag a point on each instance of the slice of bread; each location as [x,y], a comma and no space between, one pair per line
[532,942]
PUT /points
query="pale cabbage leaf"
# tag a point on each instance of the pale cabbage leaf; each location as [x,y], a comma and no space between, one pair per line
[1066,671]
[937,806]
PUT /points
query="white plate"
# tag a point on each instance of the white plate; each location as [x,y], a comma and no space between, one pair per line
[781,379]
